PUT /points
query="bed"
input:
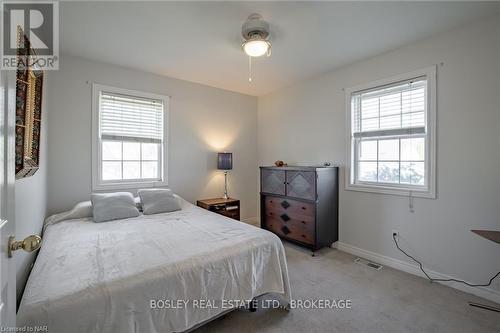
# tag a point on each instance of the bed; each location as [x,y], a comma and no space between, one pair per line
[132,275]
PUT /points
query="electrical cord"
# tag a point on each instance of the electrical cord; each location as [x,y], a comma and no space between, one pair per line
[441,280]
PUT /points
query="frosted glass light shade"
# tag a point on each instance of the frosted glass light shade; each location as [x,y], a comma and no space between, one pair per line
[256,47]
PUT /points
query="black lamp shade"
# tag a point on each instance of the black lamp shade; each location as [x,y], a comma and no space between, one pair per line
[224,161]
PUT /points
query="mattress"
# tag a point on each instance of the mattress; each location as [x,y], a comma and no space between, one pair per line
[153,273]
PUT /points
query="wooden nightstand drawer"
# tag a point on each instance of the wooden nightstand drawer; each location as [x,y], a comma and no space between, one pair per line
[234,214]
[227,207]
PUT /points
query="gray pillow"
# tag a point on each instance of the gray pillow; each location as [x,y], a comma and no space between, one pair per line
[155,201]
[113,206]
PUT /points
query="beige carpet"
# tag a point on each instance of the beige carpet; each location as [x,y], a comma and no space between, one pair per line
[382,301]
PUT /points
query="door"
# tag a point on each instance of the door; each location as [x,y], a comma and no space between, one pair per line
[273,181]
[301,184]
[7,177]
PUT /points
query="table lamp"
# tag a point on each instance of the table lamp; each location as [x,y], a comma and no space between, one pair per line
[225,162]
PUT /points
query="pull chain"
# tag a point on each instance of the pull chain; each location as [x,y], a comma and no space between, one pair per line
[249,69]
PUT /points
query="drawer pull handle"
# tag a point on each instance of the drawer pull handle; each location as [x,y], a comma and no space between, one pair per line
[304,222]
[285,204]
[285,217]
[304,208]
[304,236]
[285,230]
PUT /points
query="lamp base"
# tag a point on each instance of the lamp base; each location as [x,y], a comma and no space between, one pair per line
[225,186]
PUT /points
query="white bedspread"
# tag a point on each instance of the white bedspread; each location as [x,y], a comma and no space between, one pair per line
[101,277]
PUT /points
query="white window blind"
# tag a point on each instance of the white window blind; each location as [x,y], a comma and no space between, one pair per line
[127,118]
[396,109]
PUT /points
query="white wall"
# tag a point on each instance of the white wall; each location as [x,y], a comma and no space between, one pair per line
[305,124]
[203,120]
[31,204]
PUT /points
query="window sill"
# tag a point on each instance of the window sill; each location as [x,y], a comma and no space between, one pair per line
[429,194]
[128,186]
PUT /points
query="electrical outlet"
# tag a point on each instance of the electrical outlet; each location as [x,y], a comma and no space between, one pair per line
[395,232]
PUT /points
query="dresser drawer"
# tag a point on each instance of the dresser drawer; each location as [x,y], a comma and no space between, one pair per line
[296,221]
[292,208]
[291,230]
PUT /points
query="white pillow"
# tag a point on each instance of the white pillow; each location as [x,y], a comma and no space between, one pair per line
[80,210]
[113,206]
[156,201]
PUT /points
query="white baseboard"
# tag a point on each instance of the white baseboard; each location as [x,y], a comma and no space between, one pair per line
[252,220]
[484,292]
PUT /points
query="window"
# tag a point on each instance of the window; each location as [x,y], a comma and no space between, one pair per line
[129,129]
[391,127]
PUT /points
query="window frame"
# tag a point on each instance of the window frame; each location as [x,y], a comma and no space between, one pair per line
[426,191]
[97,182]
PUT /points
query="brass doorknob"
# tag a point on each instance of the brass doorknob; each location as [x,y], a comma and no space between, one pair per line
[29,244]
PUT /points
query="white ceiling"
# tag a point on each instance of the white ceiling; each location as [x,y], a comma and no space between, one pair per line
[200,41]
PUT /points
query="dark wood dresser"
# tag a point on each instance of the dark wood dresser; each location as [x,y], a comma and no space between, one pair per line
[300,204]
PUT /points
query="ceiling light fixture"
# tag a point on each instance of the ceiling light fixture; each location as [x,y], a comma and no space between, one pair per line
[255,31]
[256,46]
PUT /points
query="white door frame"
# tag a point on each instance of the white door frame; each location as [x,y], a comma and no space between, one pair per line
[7,196]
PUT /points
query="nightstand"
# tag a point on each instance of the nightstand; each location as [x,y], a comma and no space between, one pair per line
[228,207]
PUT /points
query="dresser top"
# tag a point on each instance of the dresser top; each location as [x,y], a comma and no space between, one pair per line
[298,167]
